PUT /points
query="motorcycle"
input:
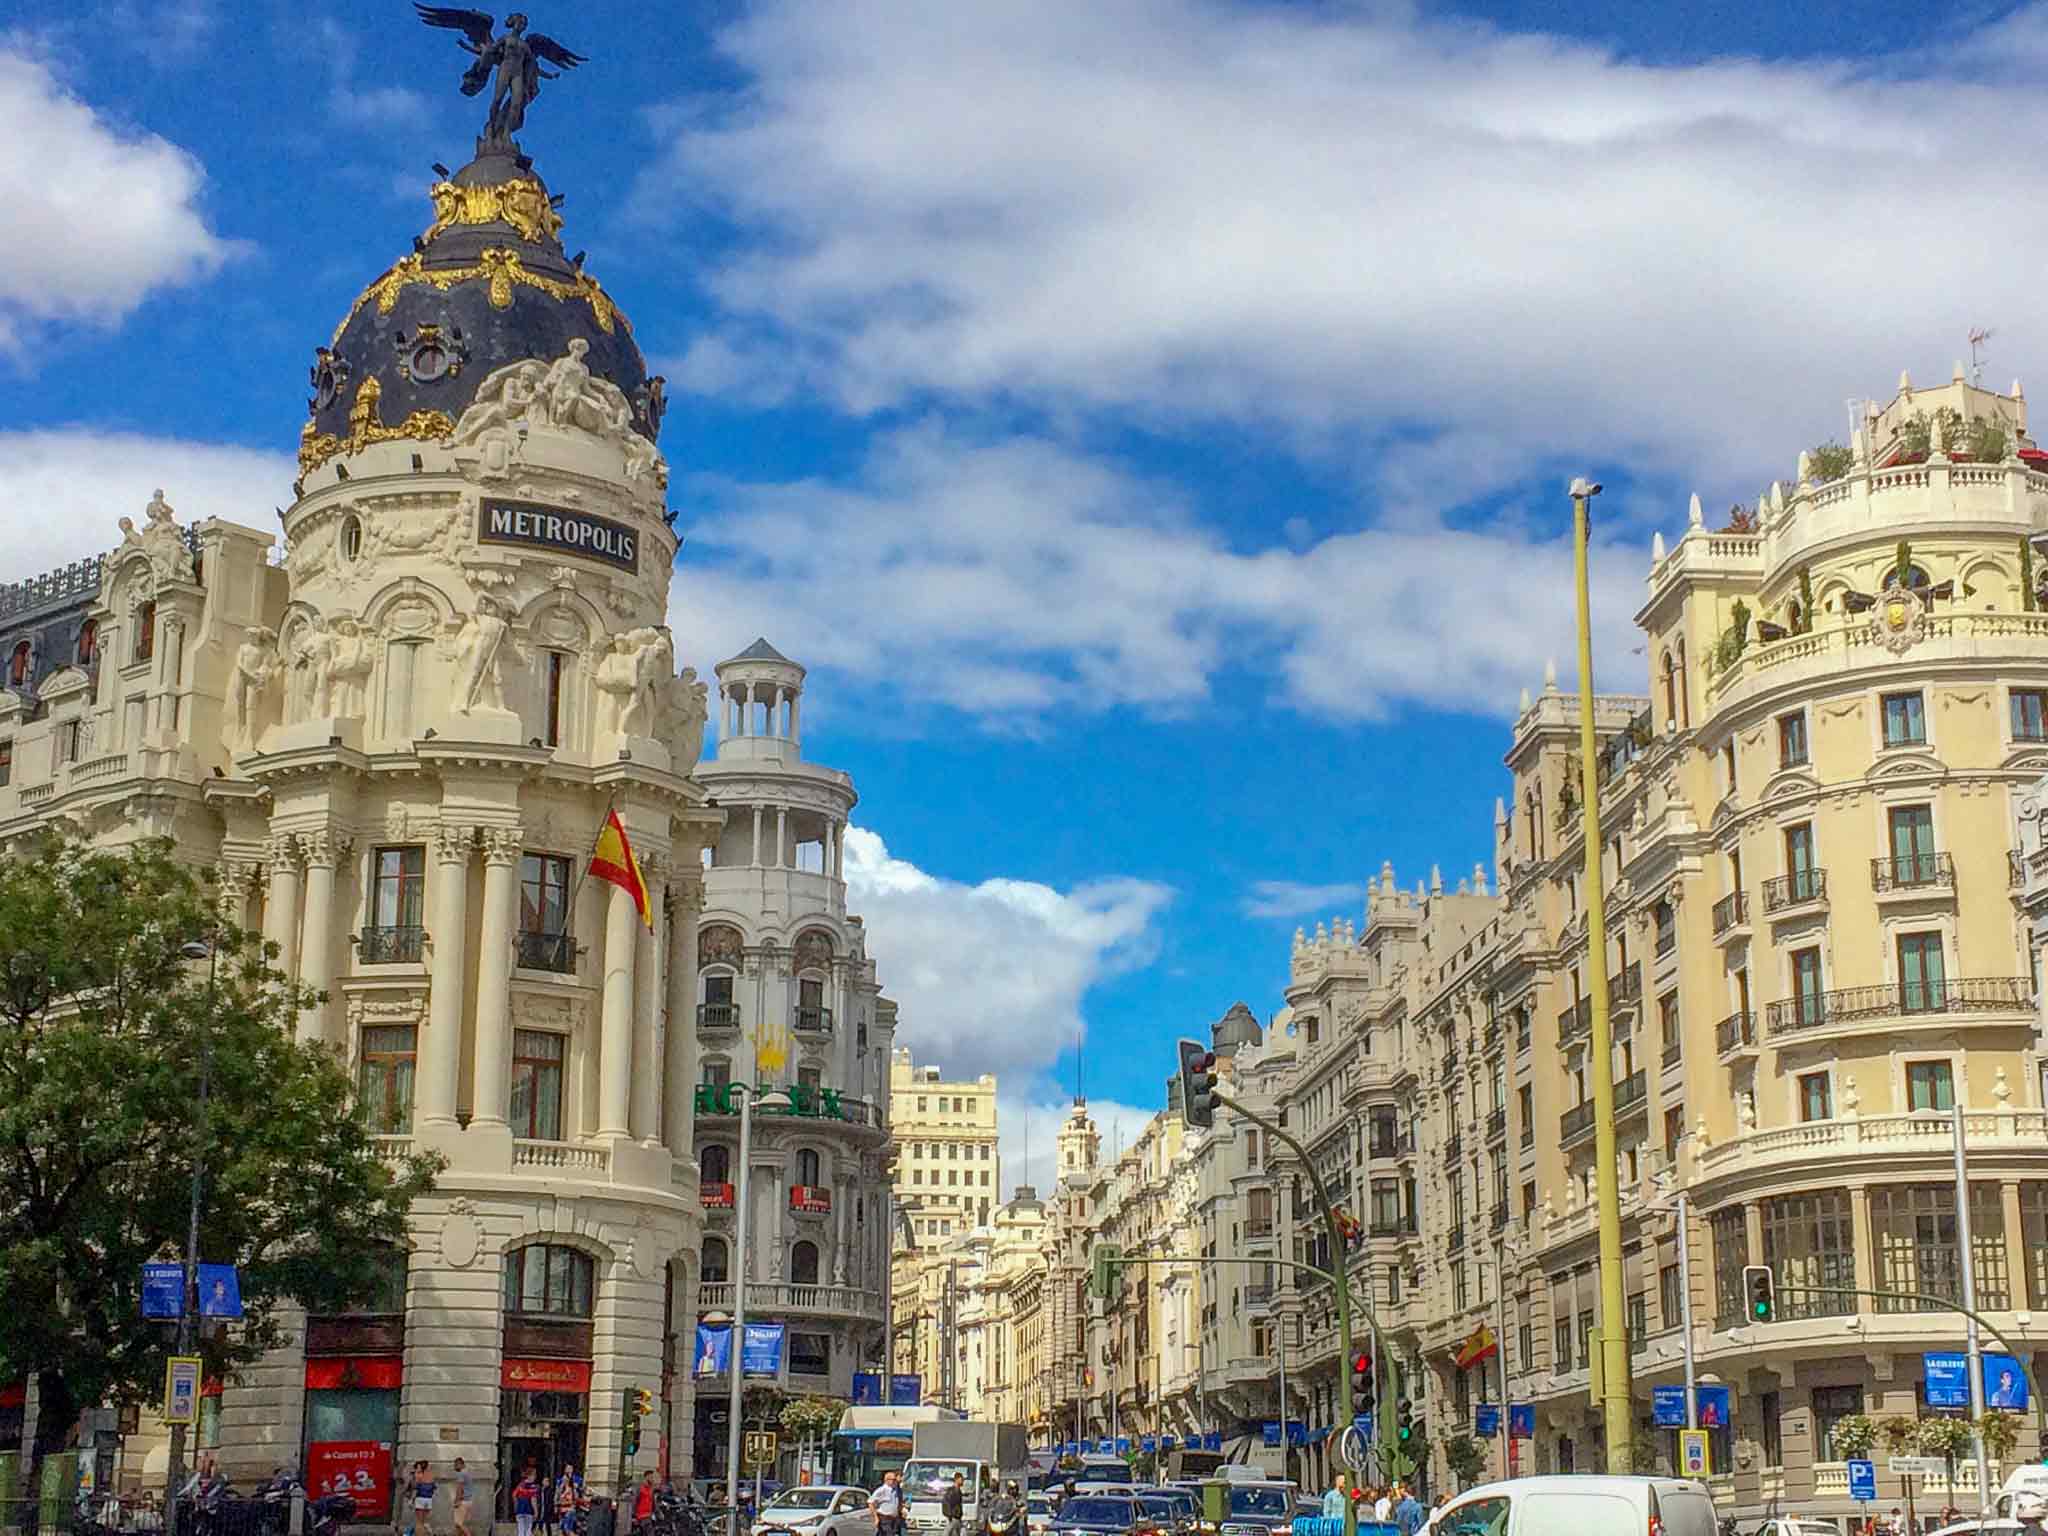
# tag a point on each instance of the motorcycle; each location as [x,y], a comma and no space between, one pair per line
[1009,1522]
[326,1515]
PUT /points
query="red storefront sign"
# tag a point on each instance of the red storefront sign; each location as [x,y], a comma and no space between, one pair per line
[715,1197]
[13,1394]
[545,1375]
[346,1373]
[812,1198]
[359,1468]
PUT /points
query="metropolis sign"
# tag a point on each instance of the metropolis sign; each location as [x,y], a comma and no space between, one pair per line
[574,533]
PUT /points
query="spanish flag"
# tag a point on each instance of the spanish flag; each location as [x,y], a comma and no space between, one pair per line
[613,860]
[1478,1347]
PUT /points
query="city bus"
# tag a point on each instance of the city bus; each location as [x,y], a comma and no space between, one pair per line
[873,1440]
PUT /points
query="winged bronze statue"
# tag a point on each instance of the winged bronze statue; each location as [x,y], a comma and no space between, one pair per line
[515,54]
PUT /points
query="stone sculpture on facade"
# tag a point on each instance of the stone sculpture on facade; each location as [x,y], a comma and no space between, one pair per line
[349,668]
[256,663]
[160,539]
[312,671]
[566,395]
[478,643]
[515,57]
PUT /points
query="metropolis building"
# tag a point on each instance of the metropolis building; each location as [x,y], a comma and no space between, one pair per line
[396,744]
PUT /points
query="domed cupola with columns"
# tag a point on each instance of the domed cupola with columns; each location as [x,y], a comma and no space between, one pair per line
[788,997]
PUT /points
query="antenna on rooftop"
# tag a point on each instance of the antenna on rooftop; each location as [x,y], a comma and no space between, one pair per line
[1978,337]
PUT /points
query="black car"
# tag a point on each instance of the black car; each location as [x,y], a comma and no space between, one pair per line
[1169,1511]
[1099,1512]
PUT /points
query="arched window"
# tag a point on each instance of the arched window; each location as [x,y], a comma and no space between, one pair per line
[715,1272]
[548,1280]
[1670,688]
[145,631]
[88,642]
[807,1167]
[1916,579]
[17,666]
[803,1264]
[1684,703]
[716,1163]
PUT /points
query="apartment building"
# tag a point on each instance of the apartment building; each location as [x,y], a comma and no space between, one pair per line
[948,1164]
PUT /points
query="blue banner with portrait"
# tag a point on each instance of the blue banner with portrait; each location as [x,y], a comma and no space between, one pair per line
[906,1391]
[1213,1440]
[1486,1420]
[2005,1384]
[714,1349]
[1521,1421]
[761,1352]
[220,1291]
[1715,1410]
[867,1389]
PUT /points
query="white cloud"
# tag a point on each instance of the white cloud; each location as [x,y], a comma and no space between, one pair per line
[1015,578]
[1028,1124]
[993,977]
[1358,218]
[99,217]
[63,489]
[1291,898]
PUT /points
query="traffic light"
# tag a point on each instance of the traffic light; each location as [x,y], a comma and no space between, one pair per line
[643,1403]
[1404,1421]
[1361,1380]
[630,1439]
[1107,1279]
[1763,1298]
[1197,1084]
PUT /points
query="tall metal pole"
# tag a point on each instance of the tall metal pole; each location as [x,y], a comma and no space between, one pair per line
[739,1308]
[1280,1344]
[1969,1269]
[188,1318]
[1500,1312]
[1615,1410]
[1692,1420]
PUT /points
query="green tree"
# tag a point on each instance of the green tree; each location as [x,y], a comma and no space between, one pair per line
[2000,1432]
[102,1020]
[1463,1457]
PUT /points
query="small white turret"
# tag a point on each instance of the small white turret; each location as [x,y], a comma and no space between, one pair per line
[1694,517]
[1905,382]
[1550,674]
[1657,547]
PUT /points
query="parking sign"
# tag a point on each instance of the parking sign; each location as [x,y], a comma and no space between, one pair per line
[1863,1480]
[1692,1453]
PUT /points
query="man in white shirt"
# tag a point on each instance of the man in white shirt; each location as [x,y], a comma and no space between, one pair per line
[1383,1507]
[887,1504]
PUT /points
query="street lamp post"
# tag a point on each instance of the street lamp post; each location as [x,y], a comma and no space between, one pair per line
[775,1098]
[1615,1412]
[188,1318]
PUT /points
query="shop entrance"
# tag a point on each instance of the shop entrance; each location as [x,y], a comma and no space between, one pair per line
[546,1430]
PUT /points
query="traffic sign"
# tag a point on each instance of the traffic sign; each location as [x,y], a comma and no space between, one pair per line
[760,1449]
[1862,1480]
[1917,1466]
[181,1389]
[1693,1460]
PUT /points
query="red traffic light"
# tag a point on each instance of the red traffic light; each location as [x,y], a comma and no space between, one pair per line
[1361,1362]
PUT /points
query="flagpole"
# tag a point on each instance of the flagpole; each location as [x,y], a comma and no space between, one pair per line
[603,821]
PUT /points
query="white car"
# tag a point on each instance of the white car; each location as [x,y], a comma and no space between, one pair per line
[1795,1526]
[1588,1505]
[830,1509]
[1992,1527]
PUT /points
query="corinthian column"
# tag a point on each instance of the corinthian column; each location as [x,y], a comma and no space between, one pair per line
[502,847]
[679,1043]
[615,1030]
[646,1093]
[324,853]
[281,906]
[441,1061]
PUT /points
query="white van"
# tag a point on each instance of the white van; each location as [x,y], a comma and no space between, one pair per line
[1574,1505]
[2024,1480]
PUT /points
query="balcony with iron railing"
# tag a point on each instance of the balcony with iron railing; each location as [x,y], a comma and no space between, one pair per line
[1628,986]
[1575,1122]
[1939,998]
[1631,1092]
[1393,1226]
[1497,1124]
[1801,888]
[1258,1295]
[1258,1226]
[391,946]
[2015,868]
[1731,912]
[811,1021]
[1498,1220]
[1674,1050]
[547,952]
[1454,1147]
[1734,1033]
[712,1017]
[1454,1242]
[1575,1021]
[1914,874]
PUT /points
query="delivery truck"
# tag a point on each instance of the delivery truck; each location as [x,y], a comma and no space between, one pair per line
[983,1455]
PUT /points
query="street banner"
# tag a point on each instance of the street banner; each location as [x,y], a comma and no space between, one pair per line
[1105,1447]
[867,1389]
[761,1352]
[2005,1384]
[1863,1480]
[1693,1460]
[359,1468]
[1947,1374]
[1667,1406]
[1486,1420]
[220,1291]
[1123,1445]
[1269,1432]
[1521,1421]
[1212,1440]
[1713,1406]
[181,1389]
[1166,1442]
[906,1391]
[714,1349]
[1149,1445]
[163,1291]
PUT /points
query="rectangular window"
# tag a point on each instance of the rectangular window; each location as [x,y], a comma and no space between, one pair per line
[1922,986]
[1800,884]
[1638,1320]
[1674,1131]
[401,679]
[1728,767]
[1929,1086]
[1585,1338]
[810,1354]
[1730,1231]
[1393,1285]
[537,1084]
[544,913]
[1914,1228]
[6,762]
[717,1073]
[1669,1307]
[398,904]
[2034,1239]
[1807,996]
[1905,720]
[145,632]
[1831,1405]
[551,689]
[1386,1205]
[384,1077]
[1561,1345]
[1791,741]
[1525,1110]
[1810,1245]
[1816,1097]
[1460,1290]
[1525,1346]
[2029,714]
[1667,1026]
[1773,1434]
[1912,843]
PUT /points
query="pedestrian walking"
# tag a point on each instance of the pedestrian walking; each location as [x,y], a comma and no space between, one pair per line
[1383,1505]
[953,1505]
[643,1501]
[887,1504]
[422,1500]
[526,1499]
[568,1498]
[462,1495]
[1333,1501]
[1408,1512]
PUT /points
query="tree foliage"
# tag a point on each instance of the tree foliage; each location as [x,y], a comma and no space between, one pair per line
[811,1417]
[102,1022]
[1463,1457]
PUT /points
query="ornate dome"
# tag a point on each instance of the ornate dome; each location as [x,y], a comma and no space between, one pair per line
[486,285]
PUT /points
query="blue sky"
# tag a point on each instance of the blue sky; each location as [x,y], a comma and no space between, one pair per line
[1149,419]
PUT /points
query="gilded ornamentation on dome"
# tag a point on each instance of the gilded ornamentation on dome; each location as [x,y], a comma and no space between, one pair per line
[503,269]
[523,204]
[364,428]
